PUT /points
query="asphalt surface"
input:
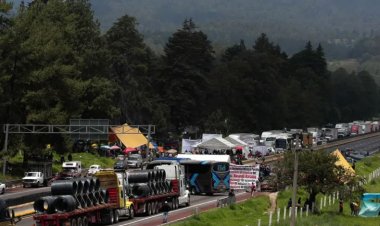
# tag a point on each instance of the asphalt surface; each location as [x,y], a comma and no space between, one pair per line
[20,192]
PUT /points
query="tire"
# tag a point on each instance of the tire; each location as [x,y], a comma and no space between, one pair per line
[74,222]
[85,221]
[23,185]
[3,191]
[116,216]
[148,209]
[155,208]
[38,184]
[188,201]
[131,212]
[79,221]
[111,218]
[177,203]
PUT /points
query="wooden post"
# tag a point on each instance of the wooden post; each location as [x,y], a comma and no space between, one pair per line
[259,222]
[285,213]
[278,215]
[270,218]
[307,210]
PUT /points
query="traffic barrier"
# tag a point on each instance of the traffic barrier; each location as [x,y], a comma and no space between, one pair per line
[45,204]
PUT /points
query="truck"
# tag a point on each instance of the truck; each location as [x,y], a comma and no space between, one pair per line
[343,130]
[108,212]
[39,173]
[70,170]
[179,194]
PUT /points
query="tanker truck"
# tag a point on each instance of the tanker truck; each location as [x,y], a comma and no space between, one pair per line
[83,201]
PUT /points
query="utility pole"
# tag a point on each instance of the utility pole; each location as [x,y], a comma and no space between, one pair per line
[295,175]
[147,145]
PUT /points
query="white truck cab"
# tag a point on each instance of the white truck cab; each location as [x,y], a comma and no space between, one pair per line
[176,171]
[33,179]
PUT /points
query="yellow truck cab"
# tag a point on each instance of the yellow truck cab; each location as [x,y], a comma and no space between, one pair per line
[116,185]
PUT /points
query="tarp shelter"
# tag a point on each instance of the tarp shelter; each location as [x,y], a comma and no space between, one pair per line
[343,162]
[209,136]
[130,136]
[188,144]
[238,143]
[370,205]
[218,158]
[216,143]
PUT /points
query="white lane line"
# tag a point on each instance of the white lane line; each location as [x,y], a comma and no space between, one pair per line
[178,210]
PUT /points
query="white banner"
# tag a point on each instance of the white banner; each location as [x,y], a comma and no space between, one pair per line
[242,176]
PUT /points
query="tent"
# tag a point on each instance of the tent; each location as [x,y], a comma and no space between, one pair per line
[240,145]
[218,158]
[343,162]
[216,143]
[370,205]
[130,136]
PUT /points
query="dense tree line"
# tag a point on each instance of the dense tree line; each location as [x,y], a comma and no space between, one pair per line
[55,65]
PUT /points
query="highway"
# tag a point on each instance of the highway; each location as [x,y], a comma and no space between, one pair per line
[371,145]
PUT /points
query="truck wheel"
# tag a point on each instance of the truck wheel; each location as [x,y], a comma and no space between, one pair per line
[38,184]
[23,185]
[116,216]
[111,218]
[85,221]
[177,202]
[188,201]
[73,222]
[79,222]
[155,208]
[131,212]
[148,209]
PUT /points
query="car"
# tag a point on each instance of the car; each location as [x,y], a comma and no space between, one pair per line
[135,160]
[121,165]
[2,188]
[93,169]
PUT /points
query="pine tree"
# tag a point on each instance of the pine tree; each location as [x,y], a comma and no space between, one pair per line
[188,59]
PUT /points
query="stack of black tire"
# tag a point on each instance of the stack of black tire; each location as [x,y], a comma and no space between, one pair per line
[148,182]
[68,195]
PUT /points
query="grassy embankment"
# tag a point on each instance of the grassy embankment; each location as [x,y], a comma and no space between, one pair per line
[248,213]
[87,159]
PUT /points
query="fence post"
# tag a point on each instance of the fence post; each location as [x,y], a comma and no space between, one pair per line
[337,195]
[329,200]
[324,201]
[290,211]
[321,203]
[301,212]
[307,210]
[259,222]
[270,218]
[296,211]
[284,212]
[278,215]
[333,201]
[312,207]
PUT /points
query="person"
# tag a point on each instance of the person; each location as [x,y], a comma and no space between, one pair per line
[341,205]
[306,204]
[165,209]
[231,196]
[289,203]
[352,207]
[253,188]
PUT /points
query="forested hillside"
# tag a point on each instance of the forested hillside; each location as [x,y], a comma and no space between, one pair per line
[56,64]
[289,22]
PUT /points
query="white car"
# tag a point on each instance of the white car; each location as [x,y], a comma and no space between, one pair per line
[2,188]
[93,169]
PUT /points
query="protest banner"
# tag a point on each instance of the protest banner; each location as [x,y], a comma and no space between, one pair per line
[242,176]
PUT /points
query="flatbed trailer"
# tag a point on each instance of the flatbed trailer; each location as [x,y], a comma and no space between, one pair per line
[83,217]
[152,204]
[117,204]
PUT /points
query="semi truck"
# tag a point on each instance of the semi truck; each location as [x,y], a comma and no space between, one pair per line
[123,200]
[107,212]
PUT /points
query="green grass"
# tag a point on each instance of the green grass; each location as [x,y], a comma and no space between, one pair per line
[367,165]
[248,212]
[238,214]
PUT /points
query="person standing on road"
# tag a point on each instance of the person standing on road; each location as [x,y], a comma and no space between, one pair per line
[165,209]
[253,188]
